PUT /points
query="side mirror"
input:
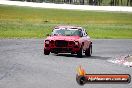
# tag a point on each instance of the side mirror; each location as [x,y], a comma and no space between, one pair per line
[87,33]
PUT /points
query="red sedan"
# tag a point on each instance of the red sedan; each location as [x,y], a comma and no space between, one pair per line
[68,39]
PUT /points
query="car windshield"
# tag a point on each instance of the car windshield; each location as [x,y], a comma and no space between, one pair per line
[67,32]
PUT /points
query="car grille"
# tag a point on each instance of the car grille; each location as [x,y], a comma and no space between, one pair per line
[61,43]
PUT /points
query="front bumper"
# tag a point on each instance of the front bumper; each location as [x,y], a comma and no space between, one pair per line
[63,49]
[62,46]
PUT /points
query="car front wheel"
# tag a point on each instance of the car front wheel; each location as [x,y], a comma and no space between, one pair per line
[80,53]
[46,52]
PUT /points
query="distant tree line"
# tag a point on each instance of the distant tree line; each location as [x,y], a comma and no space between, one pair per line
[82,2]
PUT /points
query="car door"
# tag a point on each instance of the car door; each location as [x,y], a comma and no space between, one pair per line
[85,40]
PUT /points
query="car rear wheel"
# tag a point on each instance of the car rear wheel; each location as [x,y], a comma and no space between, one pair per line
[80,53]
[46,52]
[88,51]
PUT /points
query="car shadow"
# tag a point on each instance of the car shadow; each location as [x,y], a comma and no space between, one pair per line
[67,55]
[84,57]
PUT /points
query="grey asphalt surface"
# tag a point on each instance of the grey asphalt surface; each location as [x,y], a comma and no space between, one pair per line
[23,65]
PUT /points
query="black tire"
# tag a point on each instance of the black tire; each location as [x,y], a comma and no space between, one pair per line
[88,51]
[46,52]
[80,53]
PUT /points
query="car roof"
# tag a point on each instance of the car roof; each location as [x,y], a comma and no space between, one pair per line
[67,27]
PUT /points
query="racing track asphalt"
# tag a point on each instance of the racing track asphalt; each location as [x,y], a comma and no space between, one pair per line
[23,65]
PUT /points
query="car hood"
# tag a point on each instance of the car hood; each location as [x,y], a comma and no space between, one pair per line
[67,38]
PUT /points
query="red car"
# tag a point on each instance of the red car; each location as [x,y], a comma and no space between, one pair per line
[68,39]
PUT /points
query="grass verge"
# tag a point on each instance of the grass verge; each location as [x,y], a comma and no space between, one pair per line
[27,22]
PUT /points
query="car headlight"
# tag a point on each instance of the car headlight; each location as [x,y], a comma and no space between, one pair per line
[47,41]
[76,43]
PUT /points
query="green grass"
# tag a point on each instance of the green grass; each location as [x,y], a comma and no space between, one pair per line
[26,22]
